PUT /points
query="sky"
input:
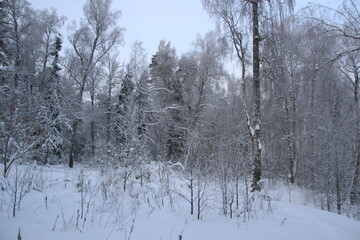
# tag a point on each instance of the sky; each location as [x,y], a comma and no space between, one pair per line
[149,21]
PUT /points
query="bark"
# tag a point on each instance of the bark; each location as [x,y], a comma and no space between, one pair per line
[256,101]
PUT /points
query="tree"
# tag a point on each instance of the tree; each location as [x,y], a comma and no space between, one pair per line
[112,74]
[47,87]
[49,24]
[143,111]
[124,125]
[227,10]
[344,24]
[167,98]
[137,62]
[51,114]
[16,77]
[95,37]
[3,30]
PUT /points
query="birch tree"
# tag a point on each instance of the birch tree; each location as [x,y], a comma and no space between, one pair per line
[226,11]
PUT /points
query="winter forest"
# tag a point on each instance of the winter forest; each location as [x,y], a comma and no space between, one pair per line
[94,143]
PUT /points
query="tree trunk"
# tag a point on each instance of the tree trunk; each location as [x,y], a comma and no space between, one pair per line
[337,187]
[312,136]
[256,101]
[355,188]
[92,126]
[199,198]
[73,142]
[108,120]
[191,195]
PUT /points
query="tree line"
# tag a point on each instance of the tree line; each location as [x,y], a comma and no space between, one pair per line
[290,111]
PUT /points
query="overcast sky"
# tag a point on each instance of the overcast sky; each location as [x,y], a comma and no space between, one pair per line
[177,21]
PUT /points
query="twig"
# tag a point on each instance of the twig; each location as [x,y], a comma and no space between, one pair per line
[57,217]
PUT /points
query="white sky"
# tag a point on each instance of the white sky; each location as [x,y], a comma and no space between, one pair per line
[177,21]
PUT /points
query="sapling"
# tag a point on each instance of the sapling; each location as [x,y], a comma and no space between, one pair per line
[17,184]
[19,235]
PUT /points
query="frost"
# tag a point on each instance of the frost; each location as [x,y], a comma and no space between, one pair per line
[252,132]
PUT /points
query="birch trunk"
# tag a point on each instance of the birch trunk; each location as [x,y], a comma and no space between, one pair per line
[256,101]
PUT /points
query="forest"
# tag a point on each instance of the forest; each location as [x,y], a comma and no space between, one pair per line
[290,112]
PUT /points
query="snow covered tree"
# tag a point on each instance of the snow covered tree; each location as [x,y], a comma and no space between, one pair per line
[17,128]
[343,23]
[95,37]
[112,74]
[49,24]
[228,11]
[167,99]
[144,114]
[51,114]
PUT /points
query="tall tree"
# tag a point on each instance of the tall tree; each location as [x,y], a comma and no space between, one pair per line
[226,11]
[167,99]
[97,35]
[112,74]
[51,113]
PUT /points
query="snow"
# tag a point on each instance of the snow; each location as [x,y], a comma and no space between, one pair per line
[151,212]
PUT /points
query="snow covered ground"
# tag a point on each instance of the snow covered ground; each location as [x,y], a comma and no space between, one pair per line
[86,203]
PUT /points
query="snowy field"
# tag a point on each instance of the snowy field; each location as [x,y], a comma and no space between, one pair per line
[54,202]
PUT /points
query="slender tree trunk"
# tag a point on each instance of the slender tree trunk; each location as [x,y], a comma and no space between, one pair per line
[355,188]
[312,136]
[73,142]
[76,122]
[108,120]
[290,133]
[199,197]
[191,194]
[337,187]
[7,139]
[256,101]
[237,190]
[92,126]
[292,140]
